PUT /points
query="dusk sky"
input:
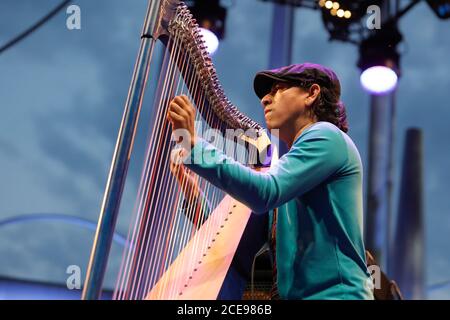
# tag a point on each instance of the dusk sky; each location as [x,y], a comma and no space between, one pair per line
[62,94]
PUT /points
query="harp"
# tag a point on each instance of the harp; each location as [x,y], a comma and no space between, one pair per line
[181,243]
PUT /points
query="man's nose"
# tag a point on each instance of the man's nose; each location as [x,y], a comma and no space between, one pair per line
[266,100]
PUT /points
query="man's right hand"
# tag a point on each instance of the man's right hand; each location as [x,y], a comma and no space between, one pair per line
[181,114]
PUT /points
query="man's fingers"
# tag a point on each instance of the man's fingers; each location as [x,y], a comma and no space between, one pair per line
[184,102]
[179,99]
[190,108]
[175,116]
[179,110]
[185,99]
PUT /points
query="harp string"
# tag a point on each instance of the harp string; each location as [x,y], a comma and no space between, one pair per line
[152,207]
[198,212]
[161,230]
[165,259]
[210,119]
[154,177]
[192,82]
[155,207]
[121,291]
[173,244]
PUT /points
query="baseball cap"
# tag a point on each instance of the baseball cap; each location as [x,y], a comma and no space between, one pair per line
[304,72]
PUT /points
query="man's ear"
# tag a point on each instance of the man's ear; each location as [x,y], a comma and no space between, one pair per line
[313,94]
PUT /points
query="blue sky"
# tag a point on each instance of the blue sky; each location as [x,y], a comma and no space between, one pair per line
[62,94]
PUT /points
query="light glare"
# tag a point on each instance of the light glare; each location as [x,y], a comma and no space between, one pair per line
[379,80]
[211,40]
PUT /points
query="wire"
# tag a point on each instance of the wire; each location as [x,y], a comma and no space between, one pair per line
[34,27]
[69,219]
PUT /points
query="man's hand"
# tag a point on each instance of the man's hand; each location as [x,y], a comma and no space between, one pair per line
[181,114]
[186,178]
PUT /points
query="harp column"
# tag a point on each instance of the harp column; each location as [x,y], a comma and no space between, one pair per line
[119,166]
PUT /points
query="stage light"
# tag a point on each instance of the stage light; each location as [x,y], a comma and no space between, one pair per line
[379,80]
[337,10]
[379,60]
[210,15]
[212,42]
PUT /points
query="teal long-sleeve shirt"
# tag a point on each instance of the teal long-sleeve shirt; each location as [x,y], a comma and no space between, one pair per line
[317,188]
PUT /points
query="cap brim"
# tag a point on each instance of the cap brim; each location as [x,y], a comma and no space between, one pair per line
[263,82]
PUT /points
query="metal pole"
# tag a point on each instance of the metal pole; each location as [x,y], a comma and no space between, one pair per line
[281,37]
[380,169]
[379,176]
[281,44]
[119,166]
[408,252]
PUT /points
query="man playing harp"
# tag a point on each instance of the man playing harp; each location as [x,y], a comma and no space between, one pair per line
[316,186]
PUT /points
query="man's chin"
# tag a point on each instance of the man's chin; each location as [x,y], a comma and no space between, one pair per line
[270,125]
[274,129]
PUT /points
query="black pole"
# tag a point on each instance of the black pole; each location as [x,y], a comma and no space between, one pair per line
[408,252]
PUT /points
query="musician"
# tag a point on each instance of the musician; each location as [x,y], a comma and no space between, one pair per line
[316,186]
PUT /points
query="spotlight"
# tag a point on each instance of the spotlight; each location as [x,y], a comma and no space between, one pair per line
[379,60]
[344,23]
[336,8]
[212,42]
[379,80]
[210,16]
